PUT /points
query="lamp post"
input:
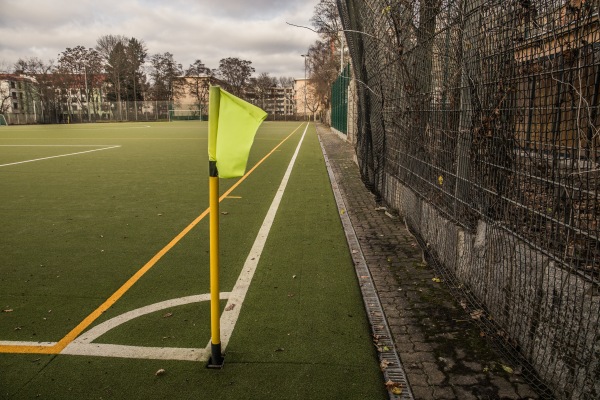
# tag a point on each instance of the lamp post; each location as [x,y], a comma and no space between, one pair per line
[305,58]
[87,94]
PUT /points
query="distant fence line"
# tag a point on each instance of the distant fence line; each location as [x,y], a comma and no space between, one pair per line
[155,110]
[479,120]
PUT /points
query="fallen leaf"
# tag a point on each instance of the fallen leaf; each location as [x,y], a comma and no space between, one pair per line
[167,315]
[436,279]
[507,369]
[230,307]
[394,387]
[160,372]
[7,310]
[441,180]
[279,349]
[224,212]
[384,364]
[477,314]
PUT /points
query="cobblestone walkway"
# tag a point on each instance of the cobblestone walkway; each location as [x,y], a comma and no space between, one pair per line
[442,352]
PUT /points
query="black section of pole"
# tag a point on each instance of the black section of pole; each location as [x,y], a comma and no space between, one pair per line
[212,169]
[216,360]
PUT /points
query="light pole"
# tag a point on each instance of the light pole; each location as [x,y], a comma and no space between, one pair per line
[87,94]
[305,58]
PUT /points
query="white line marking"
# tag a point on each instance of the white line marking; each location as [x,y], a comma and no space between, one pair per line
[60,155]
[83,344]
[56,145]
[236,298]
[150,353]
[106,326]
[15,343]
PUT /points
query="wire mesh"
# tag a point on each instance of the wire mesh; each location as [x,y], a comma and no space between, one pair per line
[479,119]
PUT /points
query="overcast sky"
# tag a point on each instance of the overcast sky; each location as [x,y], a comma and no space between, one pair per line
[208,30]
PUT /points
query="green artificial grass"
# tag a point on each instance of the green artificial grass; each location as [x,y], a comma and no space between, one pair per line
[78,227]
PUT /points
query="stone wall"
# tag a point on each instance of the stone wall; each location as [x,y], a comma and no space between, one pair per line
[546,312]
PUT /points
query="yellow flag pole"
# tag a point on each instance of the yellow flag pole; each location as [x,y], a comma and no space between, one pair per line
[216,359]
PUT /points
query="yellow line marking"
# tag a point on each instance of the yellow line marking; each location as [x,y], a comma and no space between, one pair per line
[83,325]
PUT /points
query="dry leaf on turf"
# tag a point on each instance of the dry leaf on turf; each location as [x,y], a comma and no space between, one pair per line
[160,372]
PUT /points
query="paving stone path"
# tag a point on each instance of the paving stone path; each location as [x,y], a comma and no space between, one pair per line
[441,350]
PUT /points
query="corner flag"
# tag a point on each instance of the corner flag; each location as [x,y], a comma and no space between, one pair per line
[232,125]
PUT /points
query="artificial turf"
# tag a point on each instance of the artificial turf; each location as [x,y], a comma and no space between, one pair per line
[78,227]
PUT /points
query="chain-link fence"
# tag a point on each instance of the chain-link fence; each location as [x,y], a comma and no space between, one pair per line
[478,119]
[75,112]
[132,111]
[339,101]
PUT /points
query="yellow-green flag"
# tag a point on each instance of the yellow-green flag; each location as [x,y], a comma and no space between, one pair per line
[233,123]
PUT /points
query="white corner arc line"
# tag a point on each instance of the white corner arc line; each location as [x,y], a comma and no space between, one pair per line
[83,344]
[238,294]
[60,155]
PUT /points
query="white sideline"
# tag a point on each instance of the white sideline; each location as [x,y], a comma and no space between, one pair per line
[83,344]
[236,299]
[60,155]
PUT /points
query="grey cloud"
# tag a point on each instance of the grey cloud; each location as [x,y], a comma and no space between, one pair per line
[203,29]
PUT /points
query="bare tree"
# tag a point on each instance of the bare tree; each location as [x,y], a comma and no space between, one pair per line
[4,67]
[73,63]
[263,86]
[323,69]
[198,78]
[164,74]
[236,73]
[106,44]
[326,20]
[5,98]
[286,81]
[45,84]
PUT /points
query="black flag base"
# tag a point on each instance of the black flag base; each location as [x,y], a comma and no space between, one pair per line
[216,360]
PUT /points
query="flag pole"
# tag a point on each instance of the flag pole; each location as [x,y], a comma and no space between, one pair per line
[216,359]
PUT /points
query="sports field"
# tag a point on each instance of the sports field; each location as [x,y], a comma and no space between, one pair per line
[104,269]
